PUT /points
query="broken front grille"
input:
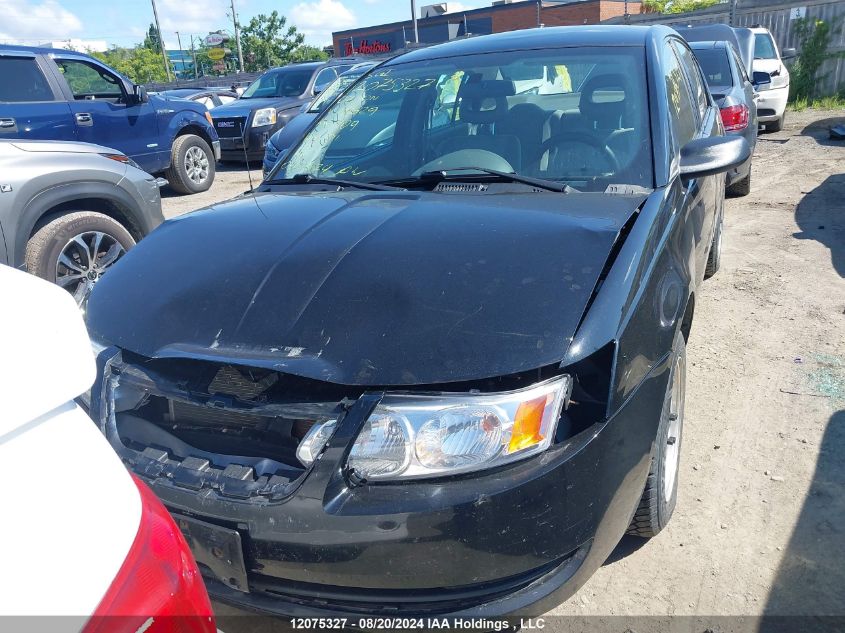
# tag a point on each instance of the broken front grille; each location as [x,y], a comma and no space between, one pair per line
[217,427]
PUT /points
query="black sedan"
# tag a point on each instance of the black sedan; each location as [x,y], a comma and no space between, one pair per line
[436,364]
[736,94]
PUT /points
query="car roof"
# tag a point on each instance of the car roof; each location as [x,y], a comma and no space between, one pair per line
[551,37]
[40,50]
[701,45]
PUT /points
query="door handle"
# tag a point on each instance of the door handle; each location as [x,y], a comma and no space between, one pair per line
[84,118]
[8,123]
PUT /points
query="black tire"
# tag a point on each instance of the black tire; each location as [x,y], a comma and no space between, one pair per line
[53,238]
[776,126]
[740,187]
[714,259]
[657,504]
[186,174]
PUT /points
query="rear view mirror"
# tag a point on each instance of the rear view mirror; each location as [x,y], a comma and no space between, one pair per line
[713,155]
[788,53]
[761,79]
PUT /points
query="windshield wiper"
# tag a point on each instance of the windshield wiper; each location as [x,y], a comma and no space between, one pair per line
[444,174]
[309,179]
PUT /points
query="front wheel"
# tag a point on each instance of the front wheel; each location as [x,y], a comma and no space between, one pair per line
[191,165]
[76,249]
[776,125]
[661,490]
[740,187]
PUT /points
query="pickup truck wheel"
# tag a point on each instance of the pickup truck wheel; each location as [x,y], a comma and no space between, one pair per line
[661,490]
[76,249]
[191,165]
[776,126]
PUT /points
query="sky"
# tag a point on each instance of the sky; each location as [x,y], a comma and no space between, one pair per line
[124,22]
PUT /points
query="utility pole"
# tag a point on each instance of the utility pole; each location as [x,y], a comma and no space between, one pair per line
[161,42]
[194,57]
[732,14]
[414,16]
[237,36]
[181,54]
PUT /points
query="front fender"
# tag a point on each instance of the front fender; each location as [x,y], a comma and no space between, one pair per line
[50,198]
[641,304]
[182,119]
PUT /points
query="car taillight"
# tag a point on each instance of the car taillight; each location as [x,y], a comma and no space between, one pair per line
[734,117]
[159,587]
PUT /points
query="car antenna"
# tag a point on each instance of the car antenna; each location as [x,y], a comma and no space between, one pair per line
[246,158]
[249,174]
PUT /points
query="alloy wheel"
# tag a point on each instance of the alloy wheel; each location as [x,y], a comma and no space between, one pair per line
[672,454]
[196,165]
[83,260]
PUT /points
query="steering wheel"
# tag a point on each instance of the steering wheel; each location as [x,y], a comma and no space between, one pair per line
[584,139]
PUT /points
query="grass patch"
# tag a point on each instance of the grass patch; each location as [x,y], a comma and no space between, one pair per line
[833,102]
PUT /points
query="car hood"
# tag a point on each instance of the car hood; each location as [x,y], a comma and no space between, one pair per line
[366,288]
[73,147]
[767,65]
[244,107]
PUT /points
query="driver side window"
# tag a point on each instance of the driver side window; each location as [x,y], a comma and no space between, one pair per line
[87,81]
[683,113]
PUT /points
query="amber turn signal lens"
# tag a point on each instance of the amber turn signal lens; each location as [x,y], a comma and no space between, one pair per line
[528,422]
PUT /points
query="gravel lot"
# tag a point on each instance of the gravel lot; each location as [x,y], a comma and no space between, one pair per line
[759,528]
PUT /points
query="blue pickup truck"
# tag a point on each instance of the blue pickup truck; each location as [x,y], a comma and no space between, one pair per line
[62,95]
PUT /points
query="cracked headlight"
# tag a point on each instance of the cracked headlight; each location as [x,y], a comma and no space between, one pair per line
[411,436]
[264,116]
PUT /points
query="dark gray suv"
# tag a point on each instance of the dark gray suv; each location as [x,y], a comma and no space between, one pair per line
[269,103]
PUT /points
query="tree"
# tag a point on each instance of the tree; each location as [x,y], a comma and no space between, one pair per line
[140,64]
[814,38]
[152,40]
[676,6]
[267,41]
[306,53]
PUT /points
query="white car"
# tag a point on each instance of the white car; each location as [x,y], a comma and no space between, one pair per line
[85,539]
[771,105]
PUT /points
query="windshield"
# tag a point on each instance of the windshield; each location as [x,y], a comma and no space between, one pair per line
[279,83]
[335,88]
[574,115]
[764,47]
[714,62]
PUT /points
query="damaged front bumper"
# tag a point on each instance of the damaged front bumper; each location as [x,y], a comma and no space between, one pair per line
[273,536]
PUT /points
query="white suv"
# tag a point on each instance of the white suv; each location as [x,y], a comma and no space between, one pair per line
[771,106]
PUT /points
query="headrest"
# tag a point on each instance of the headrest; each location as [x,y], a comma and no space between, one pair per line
[603,99]
[485,100]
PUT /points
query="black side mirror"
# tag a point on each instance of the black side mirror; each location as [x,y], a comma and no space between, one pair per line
[761,79]
[713,155]
[139,94]
[788,53]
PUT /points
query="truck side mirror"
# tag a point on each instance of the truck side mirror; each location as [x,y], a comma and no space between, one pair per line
[788,53]
[139,94]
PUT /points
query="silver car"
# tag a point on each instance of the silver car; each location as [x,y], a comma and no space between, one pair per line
[69,211]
